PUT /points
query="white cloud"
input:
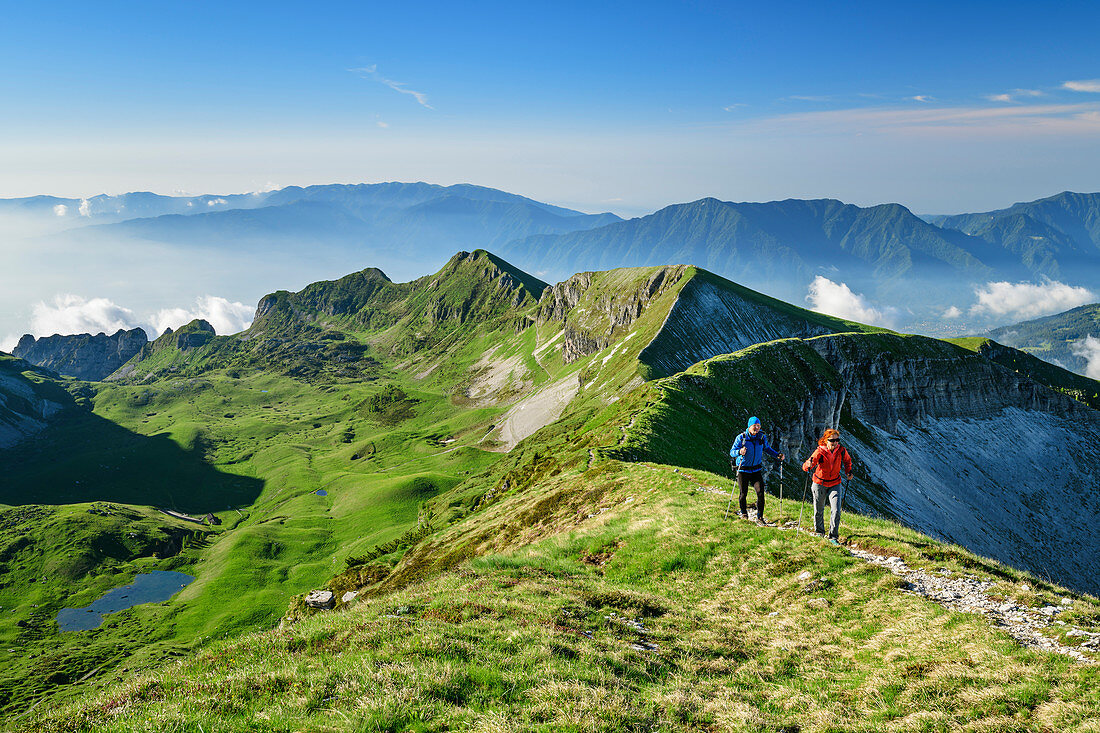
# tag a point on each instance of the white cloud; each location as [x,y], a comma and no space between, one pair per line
[266,188]
[1029,300]
[732,107]
[74,314]
[837,299]
[1014,95]
[380,123]
[1089,348]
[226,317]
[216,202]
[61,210]
[85,208]
[1084,85]
[922,98]
[8,343]
[69,314]
[398,86]
[952,312]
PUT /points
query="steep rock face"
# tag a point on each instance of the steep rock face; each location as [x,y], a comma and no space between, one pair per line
[592,310]
[83,356]
[711,318]
[25,406]
[943,382]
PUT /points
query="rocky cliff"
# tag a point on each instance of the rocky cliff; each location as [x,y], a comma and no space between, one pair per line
[83,356]
[28,399]
[594,308]
[702,315]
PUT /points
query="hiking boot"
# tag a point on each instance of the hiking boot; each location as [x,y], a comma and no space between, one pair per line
[763,522]
[743,515]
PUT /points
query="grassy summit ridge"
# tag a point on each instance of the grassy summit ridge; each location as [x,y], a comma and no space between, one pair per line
[629,604]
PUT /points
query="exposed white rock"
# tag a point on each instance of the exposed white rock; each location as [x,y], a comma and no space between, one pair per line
[320,599]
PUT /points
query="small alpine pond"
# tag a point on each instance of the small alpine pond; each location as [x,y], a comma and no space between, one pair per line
[152,587]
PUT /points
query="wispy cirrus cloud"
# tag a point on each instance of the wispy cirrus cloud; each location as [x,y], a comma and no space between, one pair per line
[1014,96]
[1083,85]
[371,72]
[939,120]
[922,98]
[810,98]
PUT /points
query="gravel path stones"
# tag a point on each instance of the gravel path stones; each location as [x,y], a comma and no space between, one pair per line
[968,594]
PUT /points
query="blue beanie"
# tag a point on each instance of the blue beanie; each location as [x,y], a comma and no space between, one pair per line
[752,421]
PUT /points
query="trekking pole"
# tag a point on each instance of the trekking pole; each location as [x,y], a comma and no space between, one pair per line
[803,507]
[730,502]
[781,491]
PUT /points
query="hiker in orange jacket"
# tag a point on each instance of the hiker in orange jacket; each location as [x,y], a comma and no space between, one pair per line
[827,461]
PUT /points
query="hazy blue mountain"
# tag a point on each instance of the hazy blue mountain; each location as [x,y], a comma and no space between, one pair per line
[389,195]
[1057,339]
[1058,232]
[780,246]
[44,214]
[406,227]
[107,208]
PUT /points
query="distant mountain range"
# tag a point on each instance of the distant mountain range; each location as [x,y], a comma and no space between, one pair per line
[884,251]
[1052,236]
[403,227]
[911,267]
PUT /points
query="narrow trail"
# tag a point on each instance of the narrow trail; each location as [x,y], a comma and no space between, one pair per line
[962,593]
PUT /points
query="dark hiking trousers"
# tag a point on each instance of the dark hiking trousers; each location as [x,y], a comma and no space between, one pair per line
[756,478]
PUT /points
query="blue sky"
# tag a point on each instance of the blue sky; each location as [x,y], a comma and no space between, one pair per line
[944,107]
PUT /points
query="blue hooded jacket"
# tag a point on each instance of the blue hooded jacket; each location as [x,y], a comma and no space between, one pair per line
[753,460]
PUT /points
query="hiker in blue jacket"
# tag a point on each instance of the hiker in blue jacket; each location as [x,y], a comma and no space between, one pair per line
[748,451]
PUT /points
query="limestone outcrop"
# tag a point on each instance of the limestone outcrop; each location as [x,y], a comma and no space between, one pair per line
[83,356]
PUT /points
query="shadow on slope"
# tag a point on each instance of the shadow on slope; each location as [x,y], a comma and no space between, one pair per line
[83,457]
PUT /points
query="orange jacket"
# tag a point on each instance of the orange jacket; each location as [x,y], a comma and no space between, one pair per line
[828,464]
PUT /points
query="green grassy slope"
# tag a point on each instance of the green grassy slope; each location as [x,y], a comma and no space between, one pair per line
[621,600]
[209,424]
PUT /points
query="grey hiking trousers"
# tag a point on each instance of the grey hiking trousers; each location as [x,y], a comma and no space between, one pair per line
[835,496]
